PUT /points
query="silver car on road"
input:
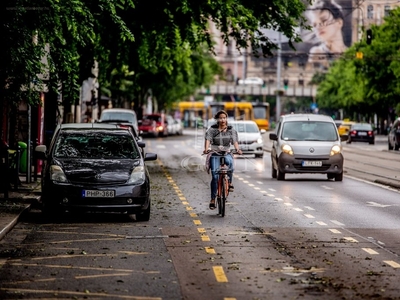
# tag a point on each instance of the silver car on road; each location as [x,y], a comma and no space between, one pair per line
[307,143]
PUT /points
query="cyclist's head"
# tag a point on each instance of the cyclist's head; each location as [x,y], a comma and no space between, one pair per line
[221,114]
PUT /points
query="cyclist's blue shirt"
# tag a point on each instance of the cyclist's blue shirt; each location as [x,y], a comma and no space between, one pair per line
[221,140]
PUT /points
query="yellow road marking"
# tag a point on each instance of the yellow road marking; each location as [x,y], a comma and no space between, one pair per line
[205,238]
[197,222]
[210,250]
[370,251]
[193,215]
[201,230]
[220,274]
[189,208]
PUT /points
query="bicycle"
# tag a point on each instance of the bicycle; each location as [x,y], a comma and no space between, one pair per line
[223,182]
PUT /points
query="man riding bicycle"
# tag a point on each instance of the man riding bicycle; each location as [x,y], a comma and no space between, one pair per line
[219,138]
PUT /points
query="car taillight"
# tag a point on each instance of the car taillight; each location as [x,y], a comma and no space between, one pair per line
[123,126]
[354,132]
[370,133]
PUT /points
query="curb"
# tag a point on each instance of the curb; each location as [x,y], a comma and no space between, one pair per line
[9,226]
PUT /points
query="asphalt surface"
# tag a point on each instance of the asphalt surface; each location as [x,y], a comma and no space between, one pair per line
[29,193]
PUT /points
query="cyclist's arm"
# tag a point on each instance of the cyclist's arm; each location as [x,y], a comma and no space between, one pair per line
[237,148]
[206,146]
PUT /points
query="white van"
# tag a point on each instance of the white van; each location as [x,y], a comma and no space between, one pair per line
[307,143]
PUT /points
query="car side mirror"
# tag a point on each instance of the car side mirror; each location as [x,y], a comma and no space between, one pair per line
[273,137]
[40,152]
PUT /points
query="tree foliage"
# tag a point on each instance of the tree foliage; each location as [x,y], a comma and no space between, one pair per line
[370,83]
[157,44]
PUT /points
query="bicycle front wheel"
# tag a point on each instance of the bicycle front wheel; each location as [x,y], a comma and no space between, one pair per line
[224,194]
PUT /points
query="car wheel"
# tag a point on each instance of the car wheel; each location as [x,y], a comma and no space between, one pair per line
[144,215]
[396,146]
[390,147]
[280,175]
[339,177]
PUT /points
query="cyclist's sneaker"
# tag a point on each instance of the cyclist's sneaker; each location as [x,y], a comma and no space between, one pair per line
[212,204]
[231,188]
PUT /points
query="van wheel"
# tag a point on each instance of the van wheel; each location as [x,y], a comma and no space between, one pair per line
[281,176]
[339,177]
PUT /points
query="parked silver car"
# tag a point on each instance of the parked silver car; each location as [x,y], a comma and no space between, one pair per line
[307,143]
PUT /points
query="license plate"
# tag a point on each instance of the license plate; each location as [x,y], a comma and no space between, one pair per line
[311,163]
[98,194]
[362,133]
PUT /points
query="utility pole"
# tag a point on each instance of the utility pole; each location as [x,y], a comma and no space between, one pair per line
[278,80]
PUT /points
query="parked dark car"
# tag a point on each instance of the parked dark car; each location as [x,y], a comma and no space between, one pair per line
[125,118]
[361,132]
[95,167]
[394,135]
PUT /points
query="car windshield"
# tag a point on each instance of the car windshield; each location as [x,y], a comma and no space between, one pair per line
[361,127]
[245,127]
[309,131]
[152,117]
[118,116]
[95,145]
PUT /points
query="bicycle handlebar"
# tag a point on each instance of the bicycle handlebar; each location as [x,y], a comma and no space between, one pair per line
[222,152]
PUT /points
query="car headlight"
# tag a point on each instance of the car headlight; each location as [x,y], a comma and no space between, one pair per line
[260,141]
[57,174]
[335,150]
[138,175]
[287,149]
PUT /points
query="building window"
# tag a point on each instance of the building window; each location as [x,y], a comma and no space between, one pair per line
[387,10]
[370,12]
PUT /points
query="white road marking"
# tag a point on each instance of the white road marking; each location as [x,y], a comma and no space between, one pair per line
[370,251]
[321,223]
[337,223]
[287,204]
[297,209]
[377,204]
[335,231]
[309,208]
[350,239]
[392,263]
[309,216]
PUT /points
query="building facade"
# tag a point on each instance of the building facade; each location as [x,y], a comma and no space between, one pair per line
[331,34]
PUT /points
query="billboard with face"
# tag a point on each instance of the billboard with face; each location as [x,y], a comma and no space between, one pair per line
[331,30]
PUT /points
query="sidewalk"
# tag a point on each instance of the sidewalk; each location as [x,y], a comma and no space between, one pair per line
[18,202]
